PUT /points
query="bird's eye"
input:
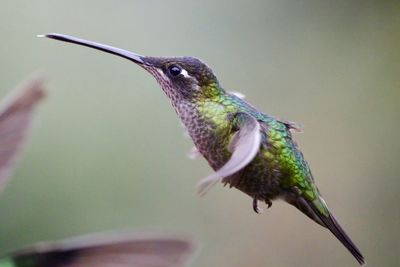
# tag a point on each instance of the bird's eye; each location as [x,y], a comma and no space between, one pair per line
[174,70]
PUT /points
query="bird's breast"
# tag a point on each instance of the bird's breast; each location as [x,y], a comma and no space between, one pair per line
[210,128]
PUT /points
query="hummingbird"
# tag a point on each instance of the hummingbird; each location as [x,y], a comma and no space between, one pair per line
[120,249]
[247,149]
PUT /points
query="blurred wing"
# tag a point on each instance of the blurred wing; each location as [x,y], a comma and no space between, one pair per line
[244,146]
[238,94]
[16,114]
[293,126]
[108,251]
[193,153]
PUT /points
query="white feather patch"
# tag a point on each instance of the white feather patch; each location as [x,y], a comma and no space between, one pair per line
[185,74]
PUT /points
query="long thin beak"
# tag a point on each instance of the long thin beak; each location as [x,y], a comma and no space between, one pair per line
[105,48]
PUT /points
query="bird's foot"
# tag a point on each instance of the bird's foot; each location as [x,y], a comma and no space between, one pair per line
[268,202]
[255,206]
[259,210]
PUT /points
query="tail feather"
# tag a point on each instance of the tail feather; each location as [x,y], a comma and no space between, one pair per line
[330,222]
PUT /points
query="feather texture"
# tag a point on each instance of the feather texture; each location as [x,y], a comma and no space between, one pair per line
[244,146]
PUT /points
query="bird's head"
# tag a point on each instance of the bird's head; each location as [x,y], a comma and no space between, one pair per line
[180,77]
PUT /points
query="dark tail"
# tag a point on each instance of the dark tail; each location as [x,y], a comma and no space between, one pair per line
[329,221]
[318,211]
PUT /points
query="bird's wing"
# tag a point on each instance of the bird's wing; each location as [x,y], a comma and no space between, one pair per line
[16,113]
[193,153]
[238,94]
[291,125]
[244,146]
[108,250]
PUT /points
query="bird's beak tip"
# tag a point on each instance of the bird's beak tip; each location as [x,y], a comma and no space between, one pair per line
[105,48]
[47,35]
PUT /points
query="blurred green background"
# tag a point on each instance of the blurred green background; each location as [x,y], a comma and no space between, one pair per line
[109,151]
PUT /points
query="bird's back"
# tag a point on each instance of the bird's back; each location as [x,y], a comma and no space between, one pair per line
[279,165]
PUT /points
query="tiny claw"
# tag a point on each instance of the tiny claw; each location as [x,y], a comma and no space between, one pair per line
[269,203]
[255,206]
